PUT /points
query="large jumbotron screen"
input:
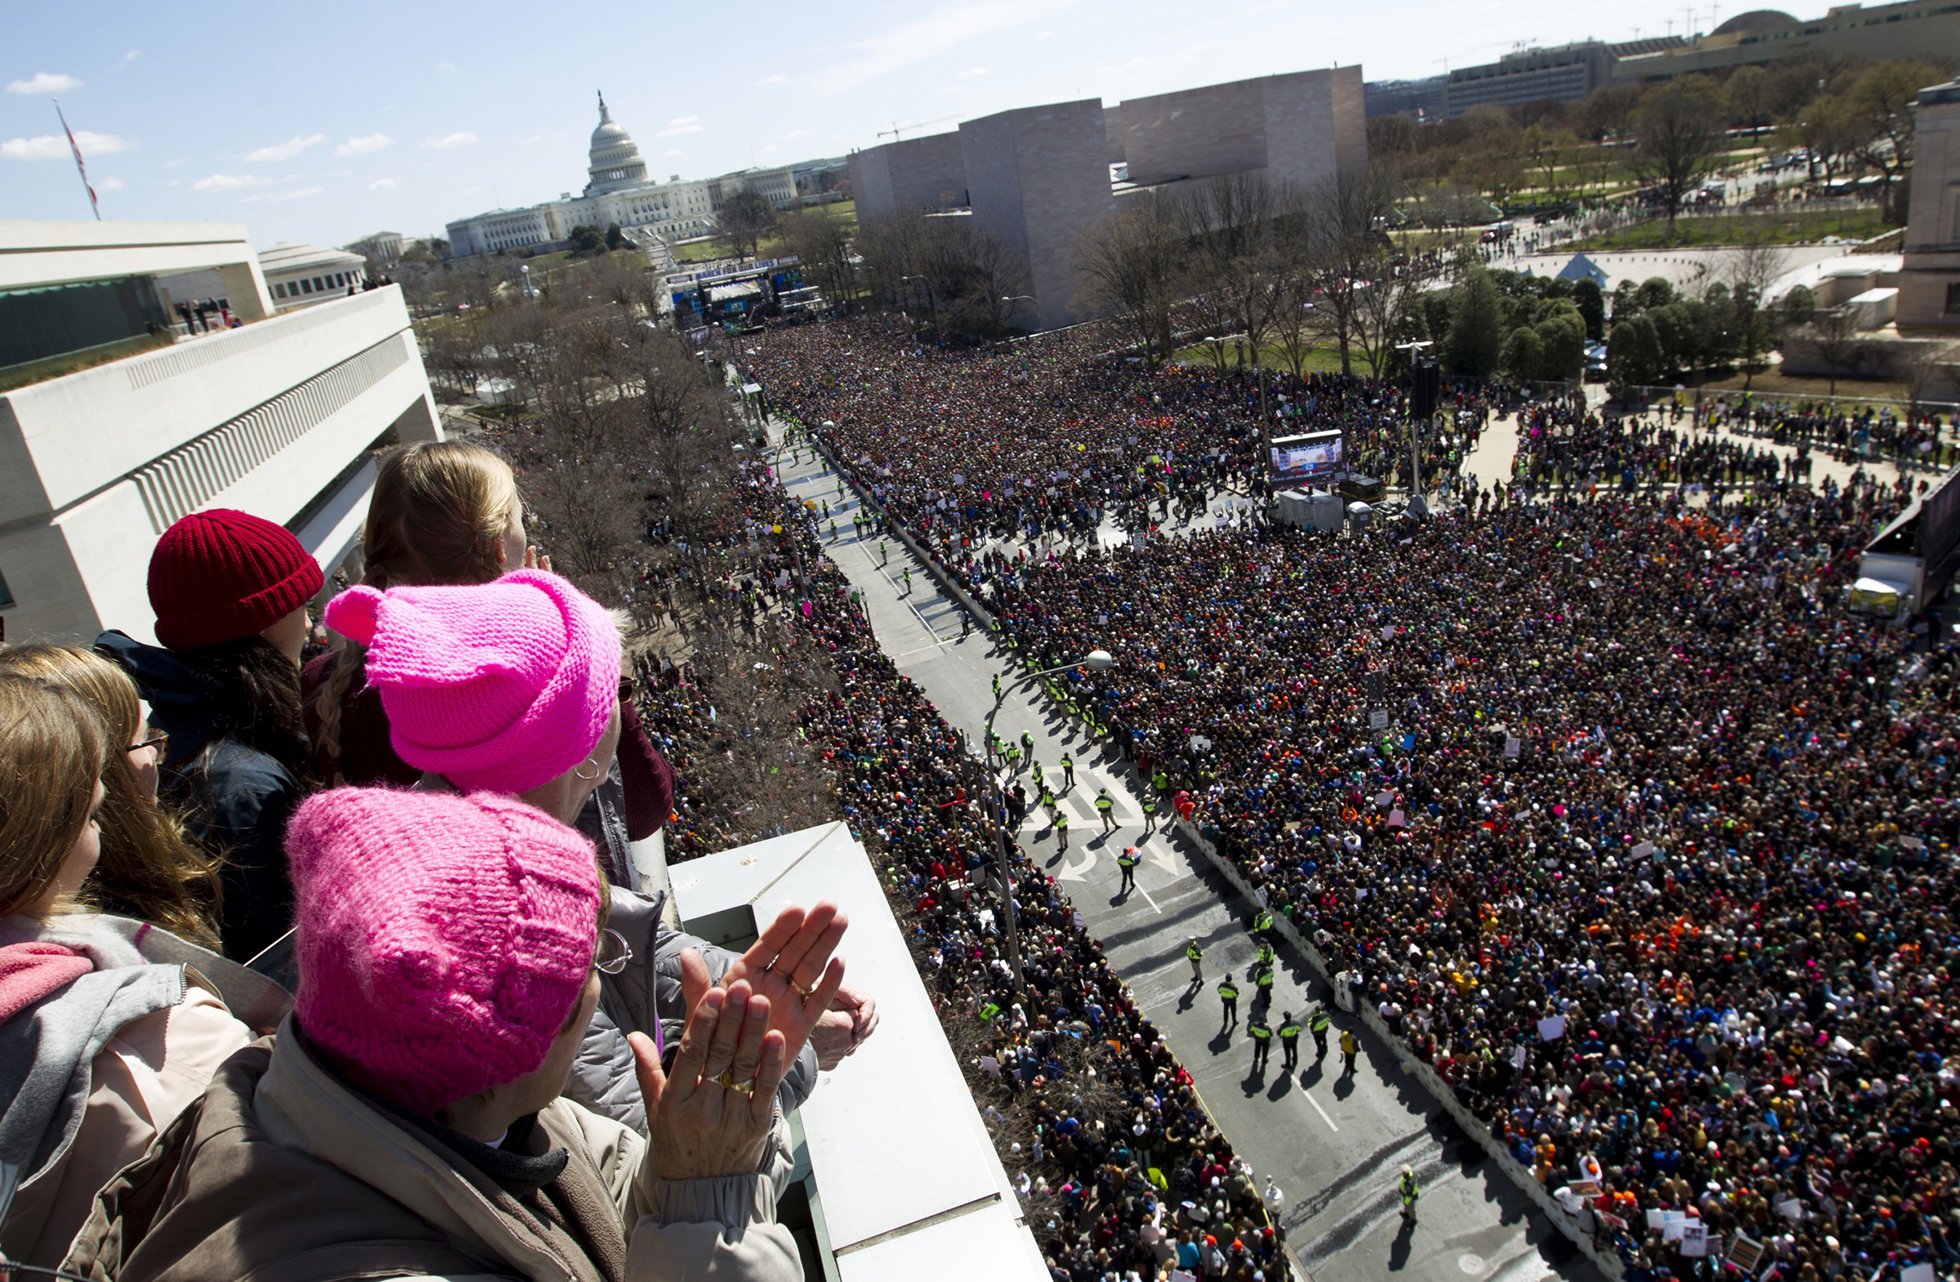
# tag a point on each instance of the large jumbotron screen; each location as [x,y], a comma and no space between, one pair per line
[1316,456]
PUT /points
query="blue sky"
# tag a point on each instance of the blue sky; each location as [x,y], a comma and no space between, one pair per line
[325,122]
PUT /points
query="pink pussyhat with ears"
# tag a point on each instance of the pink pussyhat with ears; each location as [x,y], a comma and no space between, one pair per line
[497,687]
[443,941]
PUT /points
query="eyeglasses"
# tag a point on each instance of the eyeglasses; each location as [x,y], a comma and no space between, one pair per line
[159,739]
[613,953]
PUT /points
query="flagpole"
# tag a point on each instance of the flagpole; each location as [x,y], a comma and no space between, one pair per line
[80,168]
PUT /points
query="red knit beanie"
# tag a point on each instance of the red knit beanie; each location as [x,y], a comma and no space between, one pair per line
[224,575]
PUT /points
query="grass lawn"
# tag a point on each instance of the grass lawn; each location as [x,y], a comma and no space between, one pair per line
[1320,360]
[1775,384]
[1742,229]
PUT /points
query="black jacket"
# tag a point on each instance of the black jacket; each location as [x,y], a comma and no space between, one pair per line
[234,799]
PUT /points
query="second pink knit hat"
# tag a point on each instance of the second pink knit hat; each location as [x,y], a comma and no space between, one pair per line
[442,940]
[499,686]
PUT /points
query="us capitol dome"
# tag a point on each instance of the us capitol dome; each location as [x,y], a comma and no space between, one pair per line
[617,190]
[615,157]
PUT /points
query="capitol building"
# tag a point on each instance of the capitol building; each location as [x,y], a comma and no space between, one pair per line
[617,190]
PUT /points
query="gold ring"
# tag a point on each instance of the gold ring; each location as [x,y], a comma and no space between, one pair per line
[727,1080]
[801,989]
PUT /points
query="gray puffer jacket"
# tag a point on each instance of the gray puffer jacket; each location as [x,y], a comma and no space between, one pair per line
[646,997]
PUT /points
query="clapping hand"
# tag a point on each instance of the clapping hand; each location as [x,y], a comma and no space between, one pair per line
[852,1017]
[791,965]
[712,1115]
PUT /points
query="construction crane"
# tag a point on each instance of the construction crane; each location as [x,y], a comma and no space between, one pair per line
[894,131]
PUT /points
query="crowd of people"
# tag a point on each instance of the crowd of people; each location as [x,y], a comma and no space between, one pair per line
[1624,824]
[1120,1168]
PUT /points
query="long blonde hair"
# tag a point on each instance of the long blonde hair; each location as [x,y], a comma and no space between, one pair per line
[438,515]
[53,747]
[148,870]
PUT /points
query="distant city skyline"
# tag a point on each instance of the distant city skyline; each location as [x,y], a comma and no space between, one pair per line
[324,125]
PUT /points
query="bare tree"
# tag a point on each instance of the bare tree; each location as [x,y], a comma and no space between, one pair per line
[1835,332]
[823,244]
[1348,254]
[1751,270]
[745,217]
[1680,134]
[1243,233]
[1881,100]
[1132,263]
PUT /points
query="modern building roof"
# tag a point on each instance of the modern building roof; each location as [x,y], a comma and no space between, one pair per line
[1755,22]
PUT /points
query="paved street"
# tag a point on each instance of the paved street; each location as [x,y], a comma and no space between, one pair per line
[1335,1145]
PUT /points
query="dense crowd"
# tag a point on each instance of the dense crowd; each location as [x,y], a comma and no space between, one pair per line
[1097,1121]
[1629,829]
[1034,438]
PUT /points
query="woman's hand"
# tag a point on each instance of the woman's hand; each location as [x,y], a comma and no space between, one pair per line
[852,1017]
[791,965]
[532,561]
[712,1115]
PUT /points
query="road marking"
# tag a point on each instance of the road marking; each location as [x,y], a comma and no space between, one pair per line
[1148,900]
[1323,1112]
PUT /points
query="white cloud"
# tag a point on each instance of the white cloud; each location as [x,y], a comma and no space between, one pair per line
[55,147]
[461,138]
[791,136]
[672,153]
[680,125]
[773,80]
[109,184]
[928,37]
[44,82]
[446,67]
[272,197]
[381,184]
[285,150]
[972,72]
[230,182]
[128,58]
[363,144]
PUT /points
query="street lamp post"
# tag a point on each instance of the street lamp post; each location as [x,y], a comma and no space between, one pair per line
[1095,661]
[1414,348]
[932,304]
[1011,299]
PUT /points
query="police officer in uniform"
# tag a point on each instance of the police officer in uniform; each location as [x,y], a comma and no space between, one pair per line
[1262,1041]
[1127,861]
[1318,1023]
[1106,809]
[1289,1041]
[1262,978]
[1149,813]
[1061,829]
[1350,1047]
[1406,1186]
[1068,772]
[1196,956]
[1228,994]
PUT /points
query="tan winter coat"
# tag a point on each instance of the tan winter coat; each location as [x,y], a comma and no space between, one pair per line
[285,1174]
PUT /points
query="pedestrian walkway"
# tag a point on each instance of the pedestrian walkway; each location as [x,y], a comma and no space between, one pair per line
[1337,1144]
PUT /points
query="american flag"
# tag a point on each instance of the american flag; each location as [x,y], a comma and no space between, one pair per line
[80,167]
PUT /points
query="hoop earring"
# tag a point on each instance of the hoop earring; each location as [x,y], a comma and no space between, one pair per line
[580,775]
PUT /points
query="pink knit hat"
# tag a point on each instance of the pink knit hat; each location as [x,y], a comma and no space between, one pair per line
[443,940]
[498,687]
